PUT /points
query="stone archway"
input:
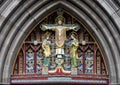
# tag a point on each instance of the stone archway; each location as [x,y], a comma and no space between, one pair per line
[96,24]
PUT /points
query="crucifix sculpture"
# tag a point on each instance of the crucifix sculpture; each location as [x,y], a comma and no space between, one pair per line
[60,32]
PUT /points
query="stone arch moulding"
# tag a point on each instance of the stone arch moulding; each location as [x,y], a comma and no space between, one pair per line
[15,44]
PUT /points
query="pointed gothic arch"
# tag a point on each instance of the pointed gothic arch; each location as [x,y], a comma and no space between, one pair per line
[88,20]
[30,61]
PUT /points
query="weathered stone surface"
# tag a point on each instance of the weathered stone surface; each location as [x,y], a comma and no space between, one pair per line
[101,17]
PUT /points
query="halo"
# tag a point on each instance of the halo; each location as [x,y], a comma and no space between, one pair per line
[74,33]
[46,34]
[60,17]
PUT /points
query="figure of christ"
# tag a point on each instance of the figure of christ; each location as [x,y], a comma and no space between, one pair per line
[60,32]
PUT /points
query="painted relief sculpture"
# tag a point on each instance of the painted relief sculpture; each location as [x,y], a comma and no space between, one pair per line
[60,49]
[60,32]
[73,50]
[89,61]
[60,29]
[46,48]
